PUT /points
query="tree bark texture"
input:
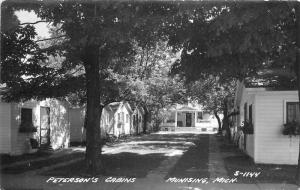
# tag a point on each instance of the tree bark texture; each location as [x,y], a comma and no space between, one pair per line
[219,122]
[146,115]
[93,110]
[297,70]
[226,120]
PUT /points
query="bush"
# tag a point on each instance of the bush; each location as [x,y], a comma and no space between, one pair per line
[247,127]
[27,128]
[34,143]
[291,128]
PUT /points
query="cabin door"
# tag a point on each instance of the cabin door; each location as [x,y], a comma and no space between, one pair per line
[188,120]
[45,126]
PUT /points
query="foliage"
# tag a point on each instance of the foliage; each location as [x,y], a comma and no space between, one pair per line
[96,43]
[291,128]
[211,92]
[248,38]
[149,81]
[247,127]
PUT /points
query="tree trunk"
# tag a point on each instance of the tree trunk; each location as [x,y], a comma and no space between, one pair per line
[93,111]
[225,120]
[297,70]
[145,121]
[219,122]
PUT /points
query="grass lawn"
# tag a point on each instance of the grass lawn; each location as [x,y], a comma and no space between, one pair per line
[270,173]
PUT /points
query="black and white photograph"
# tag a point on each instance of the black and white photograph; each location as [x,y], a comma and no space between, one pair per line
[149,95]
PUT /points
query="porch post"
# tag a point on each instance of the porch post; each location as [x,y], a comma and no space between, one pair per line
[175,118]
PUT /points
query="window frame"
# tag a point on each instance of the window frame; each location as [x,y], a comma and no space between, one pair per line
[199,119]
[250,112]
[127,118]
[21,122]
[285,108]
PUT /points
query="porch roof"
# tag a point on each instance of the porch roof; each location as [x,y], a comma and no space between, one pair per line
[186,108]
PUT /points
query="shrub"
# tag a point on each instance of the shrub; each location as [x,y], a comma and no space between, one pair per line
[247,127]
[291,128]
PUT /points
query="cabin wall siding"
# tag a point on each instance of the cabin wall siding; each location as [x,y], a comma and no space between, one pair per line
[250,145]
[77,131]
[250,99]
[5,131]
[59,125]
[125,128]
[20,141]
[272,145]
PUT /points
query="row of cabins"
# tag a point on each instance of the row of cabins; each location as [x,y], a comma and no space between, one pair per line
[117,119]
[54,124]
[266,110]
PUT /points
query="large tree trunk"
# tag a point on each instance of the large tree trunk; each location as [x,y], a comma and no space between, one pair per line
[219,122]
[93,111]
[297,69]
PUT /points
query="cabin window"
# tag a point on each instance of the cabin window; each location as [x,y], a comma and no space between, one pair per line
[122,117]
[26,121]
[133,119]
[292,112]
[199,117]
[171,118]
[250,114]
[127,118]
[26,117]
[245,112]
[107,119]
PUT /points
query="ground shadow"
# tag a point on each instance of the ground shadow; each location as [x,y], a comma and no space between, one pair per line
[122,164]
[6,159]
[194,162]
[180,137]
[135,157]
[34,165]
[236,160]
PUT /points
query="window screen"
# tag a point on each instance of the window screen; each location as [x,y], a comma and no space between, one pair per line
[292,112]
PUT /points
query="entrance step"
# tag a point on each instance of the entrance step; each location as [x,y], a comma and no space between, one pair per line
[187,129]
[46,149]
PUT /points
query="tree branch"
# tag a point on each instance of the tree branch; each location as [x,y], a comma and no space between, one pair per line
[57,37]
[25,23]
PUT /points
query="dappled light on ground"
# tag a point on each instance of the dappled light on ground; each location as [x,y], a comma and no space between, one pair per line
[168,148]
[189,188]
[139,156]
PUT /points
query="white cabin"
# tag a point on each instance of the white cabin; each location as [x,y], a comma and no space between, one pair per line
[121,122]
[47,122]
[189,118]
[268,110]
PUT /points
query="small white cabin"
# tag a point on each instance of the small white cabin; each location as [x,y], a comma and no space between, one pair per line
[47,122]
[268,110]
[121,122]
[189,118]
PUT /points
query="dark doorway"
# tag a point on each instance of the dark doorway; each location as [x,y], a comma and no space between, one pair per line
[45,126]
[188,120]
